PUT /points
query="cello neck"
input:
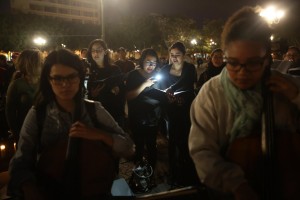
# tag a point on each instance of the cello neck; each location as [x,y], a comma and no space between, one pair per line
[268,141]
[74,143]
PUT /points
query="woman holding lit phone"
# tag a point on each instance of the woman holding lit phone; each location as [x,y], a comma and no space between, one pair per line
[143,111]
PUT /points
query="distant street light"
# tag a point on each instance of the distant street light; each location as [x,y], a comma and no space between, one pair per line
[194,42]
[272,14]
[212,42]
[39,41]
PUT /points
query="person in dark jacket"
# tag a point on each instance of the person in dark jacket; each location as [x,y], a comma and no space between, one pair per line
[144,111]
[177,81]
[214,67]
[106,81]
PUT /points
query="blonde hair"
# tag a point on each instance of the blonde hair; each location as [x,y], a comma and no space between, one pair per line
[30,63]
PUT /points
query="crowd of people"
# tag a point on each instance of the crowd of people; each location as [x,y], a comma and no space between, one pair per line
[61,124]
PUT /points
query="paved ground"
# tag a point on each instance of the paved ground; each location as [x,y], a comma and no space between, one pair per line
[162,190]
[160,173]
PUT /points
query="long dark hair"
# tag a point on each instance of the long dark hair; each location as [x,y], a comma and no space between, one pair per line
[65,57]
[106,56]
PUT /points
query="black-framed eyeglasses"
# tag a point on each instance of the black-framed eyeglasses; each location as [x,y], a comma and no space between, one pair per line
[60,80]
[251,65]
[99,50]
[150,63]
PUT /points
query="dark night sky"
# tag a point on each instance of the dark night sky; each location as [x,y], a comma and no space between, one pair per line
[197,9]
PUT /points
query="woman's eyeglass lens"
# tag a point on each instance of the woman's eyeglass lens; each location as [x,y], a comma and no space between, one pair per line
[60,80]
[149,63]
[251,65]
[97,50]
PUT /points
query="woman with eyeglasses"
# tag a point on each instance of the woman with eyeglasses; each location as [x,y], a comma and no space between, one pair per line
[229,110]
[61,134]
[106,81]
[177,81]
[144,111]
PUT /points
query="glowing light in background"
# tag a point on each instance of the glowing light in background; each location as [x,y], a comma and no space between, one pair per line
[272,14]
[39,41]
[194,42]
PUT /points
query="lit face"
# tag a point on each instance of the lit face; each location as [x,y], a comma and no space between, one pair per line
[150,63]
[246,63]
[176,56]
[98,53]
[292,55]
[83,54]
[217,59]
[122,55]
[64,81]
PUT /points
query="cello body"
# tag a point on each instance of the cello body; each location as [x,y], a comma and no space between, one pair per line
[271,158]
[76,168]
[94,174]
[247,153]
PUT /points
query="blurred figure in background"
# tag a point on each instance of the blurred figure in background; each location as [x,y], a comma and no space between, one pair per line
[13,68]
[124,64]
[21,92]
[5,73]
[293,55]
[214,67]
[85,63]
[4,82]
[290,63]
[83,53]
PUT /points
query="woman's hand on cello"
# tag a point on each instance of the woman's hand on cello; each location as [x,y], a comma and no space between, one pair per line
[78,129]
[280,84]
[245,192]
